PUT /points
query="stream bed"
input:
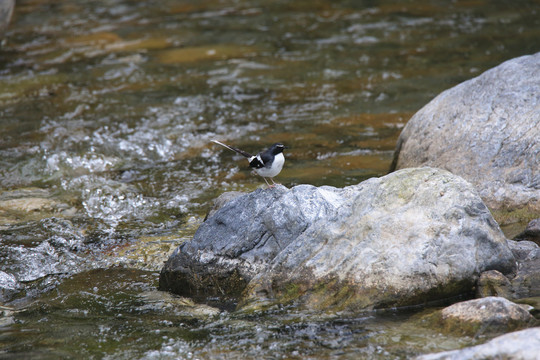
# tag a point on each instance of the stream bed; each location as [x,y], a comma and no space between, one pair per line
[107,112]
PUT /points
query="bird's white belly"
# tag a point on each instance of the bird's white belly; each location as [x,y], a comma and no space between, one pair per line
[275,169]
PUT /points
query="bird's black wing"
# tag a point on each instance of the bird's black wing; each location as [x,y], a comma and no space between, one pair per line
[266,158]
[256,162]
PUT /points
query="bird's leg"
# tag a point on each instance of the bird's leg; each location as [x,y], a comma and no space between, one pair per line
[270,186]
[275,183]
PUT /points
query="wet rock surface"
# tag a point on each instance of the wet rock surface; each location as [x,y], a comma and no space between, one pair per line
[486,130]
[405,238]
[522,345]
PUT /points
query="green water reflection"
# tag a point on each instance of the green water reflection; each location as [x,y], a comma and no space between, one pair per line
[117,312]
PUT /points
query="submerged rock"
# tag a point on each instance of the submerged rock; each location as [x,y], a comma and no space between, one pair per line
[409,237]
[159,301]
[521,345]
[27,204]
[485,130]
[486,315]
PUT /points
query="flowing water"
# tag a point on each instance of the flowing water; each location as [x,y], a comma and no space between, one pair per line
[107,109]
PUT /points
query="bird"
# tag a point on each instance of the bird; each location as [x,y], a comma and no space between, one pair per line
[267,163]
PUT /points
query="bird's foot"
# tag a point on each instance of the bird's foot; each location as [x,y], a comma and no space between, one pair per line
[274,183]
[271,186]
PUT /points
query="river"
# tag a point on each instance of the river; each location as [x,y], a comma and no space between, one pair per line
[107,112]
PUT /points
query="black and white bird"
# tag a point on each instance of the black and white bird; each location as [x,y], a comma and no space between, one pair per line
[267,163]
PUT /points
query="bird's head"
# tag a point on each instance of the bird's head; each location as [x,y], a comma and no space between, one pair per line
[278,148]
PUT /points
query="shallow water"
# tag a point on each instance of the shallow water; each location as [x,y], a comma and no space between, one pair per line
[107,109]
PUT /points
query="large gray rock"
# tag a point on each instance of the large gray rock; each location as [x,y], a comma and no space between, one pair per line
[405,238]
[522,345]
[485,130]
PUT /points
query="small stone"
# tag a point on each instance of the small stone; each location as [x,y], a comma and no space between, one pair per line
[493,283]
[486,315]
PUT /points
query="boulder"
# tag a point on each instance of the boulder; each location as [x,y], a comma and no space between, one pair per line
[485,130]
[523,345]
[486,315]
[412,236]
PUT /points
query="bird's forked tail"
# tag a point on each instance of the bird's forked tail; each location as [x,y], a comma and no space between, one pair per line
[241,152]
